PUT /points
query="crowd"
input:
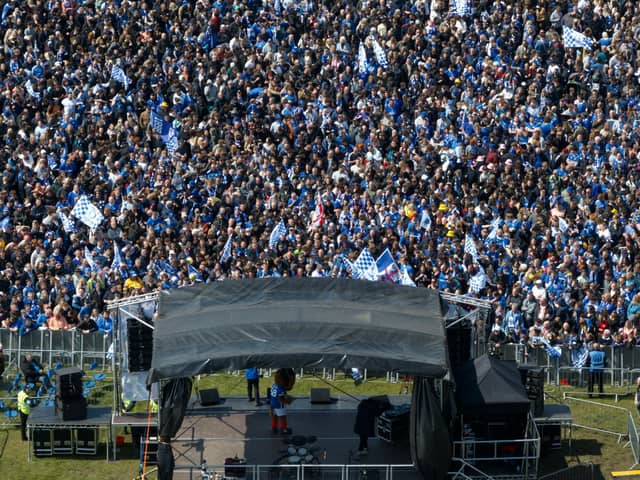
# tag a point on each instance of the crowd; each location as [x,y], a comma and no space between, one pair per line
[462,143]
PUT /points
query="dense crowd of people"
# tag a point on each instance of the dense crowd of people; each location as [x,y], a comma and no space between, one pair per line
[415,128]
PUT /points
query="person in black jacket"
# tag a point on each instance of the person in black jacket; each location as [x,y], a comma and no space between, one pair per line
[33,370]
[368,410]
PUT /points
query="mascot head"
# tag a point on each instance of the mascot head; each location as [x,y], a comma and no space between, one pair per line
[286,378]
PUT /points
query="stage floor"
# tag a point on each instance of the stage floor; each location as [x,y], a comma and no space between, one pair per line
[239,428]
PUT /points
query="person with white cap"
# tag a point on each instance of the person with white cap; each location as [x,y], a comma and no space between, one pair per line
[538,290]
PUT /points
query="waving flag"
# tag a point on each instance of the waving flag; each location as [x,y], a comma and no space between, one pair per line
[362,59]
[276,234]
[554,351]
[5,223]
[470,246]
[562,224]
[494,231]
[573,39]
[67,223]
[117,259]
[226,251]
[579,356]
[381,57]
[317,217]
[87,213]
[168,134]
[194,274]
[29,88]
[117,74]
[388,270]
[425,220]
[478,281]
[89,258]
[405,279]
[365,266]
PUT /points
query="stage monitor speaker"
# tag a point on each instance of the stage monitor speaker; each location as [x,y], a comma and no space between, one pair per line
[209,397]
[320,395]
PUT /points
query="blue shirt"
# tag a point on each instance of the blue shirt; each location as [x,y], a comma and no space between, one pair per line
[251,374]
[597,360]
[275,393]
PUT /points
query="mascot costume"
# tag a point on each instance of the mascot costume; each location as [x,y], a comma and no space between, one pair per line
[285,379]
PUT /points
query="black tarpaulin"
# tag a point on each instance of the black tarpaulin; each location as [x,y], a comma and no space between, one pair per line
[299,322]
[174,399]
[488,387]
[429,435]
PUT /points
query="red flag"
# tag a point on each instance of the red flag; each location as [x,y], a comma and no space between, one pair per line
[317,218]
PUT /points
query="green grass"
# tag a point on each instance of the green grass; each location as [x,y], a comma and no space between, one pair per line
[588,446]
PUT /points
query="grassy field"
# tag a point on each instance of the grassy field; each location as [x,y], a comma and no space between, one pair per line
[589,446]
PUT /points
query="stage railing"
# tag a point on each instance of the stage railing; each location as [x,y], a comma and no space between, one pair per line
[308,472]
[68,347]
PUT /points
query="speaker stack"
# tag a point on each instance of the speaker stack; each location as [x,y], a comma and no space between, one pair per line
[459,344]
[70,404]
[532,378]
[140,344]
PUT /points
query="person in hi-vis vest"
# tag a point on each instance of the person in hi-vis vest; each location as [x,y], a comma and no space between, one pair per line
[24,409]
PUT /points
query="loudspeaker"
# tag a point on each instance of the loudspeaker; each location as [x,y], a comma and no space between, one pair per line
[550,436]
[459,345]
[139,346]
[69,382]
[532,378]
[209,397]
[42,441]
[71,408]
[320,395]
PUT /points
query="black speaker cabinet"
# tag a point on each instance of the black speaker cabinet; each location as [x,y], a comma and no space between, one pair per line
[209,397]
[71,408]
[320,395]
[533,380]
[459,344]
[69,382]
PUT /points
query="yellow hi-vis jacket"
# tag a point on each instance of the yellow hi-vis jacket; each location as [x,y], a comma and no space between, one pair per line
[23,404]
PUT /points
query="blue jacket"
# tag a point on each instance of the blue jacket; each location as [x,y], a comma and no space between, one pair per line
[251,374]
[597,359]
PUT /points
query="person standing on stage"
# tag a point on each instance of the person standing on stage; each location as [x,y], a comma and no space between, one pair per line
[597,360]
[253,385]
[24,409]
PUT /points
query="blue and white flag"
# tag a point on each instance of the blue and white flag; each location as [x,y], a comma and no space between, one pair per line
[363,64]
[554,351]
[405,279]
[29,88]
[478,281]
[562,224]
[118,75]
[381,57]
[573,39]
[87,213]
[388,270]
[89,258]
[579,356]
[117,259]
[194,274]
[494,230]
[470,246]
[365,266]
[276,234]
[5,223]
[425,220]
[166,267]
[226,251]
[168,134]
[67,224]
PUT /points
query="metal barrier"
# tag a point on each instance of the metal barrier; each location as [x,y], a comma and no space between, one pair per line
[68,347]
[605,414]
[307,471]
[583,471]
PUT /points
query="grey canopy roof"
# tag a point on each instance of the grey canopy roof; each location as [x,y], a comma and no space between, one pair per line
[299,322]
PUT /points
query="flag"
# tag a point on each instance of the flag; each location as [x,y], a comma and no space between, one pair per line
[87,213]
[381,57]
[67,223]
[470,246]
[462,7]
[478,281]
[29,88]
[362,59]
[388,270]
[166,267]
[226,251]
[554,351]
[194,274]
[118,75]
[117,259]
[317,218]
[276,234]
[4,223]
[425,220]
[562,224]
[405,279]
[573,39]
[579,356]
[168,134]
[89,258]
[365,266]
[494,230]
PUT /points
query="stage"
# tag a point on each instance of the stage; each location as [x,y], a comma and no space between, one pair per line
[237,427]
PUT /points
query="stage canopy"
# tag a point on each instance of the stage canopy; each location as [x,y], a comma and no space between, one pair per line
[299,322]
